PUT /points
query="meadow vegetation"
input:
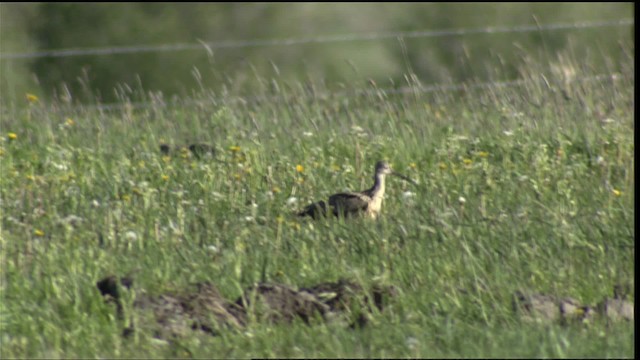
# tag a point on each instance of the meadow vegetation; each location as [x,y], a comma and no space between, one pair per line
[528,186]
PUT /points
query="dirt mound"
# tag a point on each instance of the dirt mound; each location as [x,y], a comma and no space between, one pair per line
[203,308]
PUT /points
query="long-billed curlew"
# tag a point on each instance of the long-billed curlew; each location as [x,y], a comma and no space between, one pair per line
[367,202]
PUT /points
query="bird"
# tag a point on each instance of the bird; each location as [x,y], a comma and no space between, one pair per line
[198,150]
[350,204]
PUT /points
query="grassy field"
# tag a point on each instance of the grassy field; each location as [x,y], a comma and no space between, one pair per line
[529,186]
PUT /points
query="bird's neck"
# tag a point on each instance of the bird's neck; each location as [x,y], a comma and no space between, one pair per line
[378,186]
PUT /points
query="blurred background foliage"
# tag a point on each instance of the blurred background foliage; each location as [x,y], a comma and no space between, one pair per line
[29,27]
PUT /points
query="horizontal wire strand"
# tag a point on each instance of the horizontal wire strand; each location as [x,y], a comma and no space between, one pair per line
[119,50]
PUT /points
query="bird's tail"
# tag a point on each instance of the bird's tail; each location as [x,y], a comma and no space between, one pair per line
[315,210]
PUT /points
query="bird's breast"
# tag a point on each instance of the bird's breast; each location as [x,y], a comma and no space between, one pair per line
[374,206]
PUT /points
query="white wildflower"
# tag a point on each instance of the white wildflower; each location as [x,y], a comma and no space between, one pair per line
[408,196]
[131,236]
[412,342]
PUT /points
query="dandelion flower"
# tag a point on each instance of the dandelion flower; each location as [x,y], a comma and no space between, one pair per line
[31,98]
[12,136]
[38,232]
[467,161]
[299,168]
[234,148]
[165,177]
[616,192]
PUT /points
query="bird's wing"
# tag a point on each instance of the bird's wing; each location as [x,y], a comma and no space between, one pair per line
[349,203]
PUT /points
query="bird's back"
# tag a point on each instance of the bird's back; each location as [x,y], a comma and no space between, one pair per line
[349,204]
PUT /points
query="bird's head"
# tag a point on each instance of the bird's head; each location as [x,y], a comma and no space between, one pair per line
[383,168]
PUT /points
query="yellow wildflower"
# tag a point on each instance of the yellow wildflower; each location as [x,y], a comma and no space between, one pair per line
[31,98]
[165,177]
[295,225]
[275,190]
[467,161]
[125,197]
[483,154]
[442,166]
[299,168]
[234,148]
[38,232]
[69,122]
[413,165]
[617,192]
[12,136]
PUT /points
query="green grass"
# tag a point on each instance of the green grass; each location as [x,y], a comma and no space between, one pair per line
[547,183]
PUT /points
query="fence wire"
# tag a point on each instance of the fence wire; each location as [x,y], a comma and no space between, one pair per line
[210,46]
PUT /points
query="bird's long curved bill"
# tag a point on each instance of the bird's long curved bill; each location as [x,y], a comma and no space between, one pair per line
[405,178]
